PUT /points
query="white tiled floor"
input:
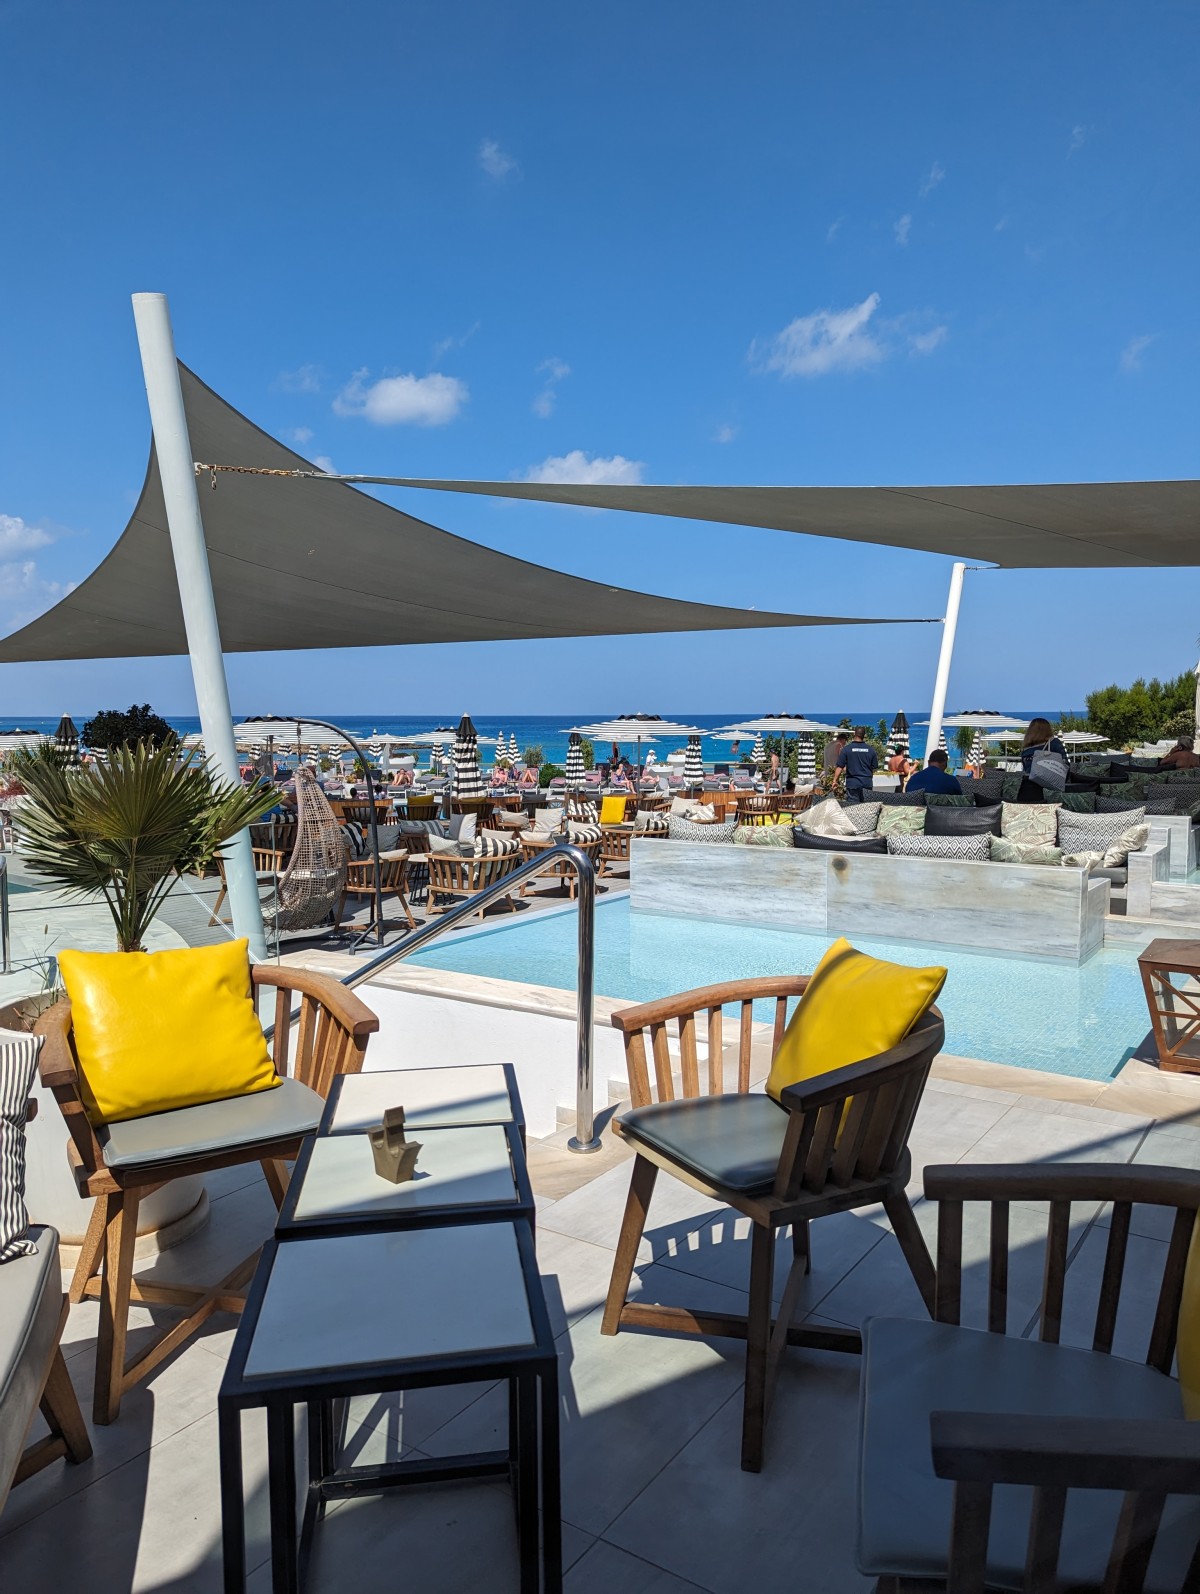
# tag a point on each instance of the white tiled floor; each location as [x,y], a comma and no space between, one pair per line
[654,1500]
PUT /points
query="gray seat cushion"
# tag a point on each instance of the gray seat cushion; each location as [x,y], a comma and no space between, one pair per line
[31,1296]
[729,1140]
[912,1369]
[285,1113]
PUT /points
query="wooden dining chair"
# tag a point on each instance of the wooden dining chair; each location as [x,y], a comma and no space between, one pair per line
[991,1457]
[830,1144]
[122,1163]
[754,808]
[360,882]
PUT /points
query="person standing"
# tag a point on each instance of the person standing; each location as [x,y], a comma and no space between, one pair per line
[1043,764]
[860,761]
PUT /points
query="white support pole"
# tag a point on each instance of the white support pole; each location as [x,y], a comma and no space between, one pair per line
[177,470]
[950,625]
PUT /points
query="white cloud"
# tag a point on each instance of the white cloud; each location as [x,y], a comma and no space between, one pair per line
[935,175]
[725,434]
[833,229]
[591,470]
[826,340]
[845,340]
[555,371]
[902,228]
[299,435]
[323,462]
[496,162]
[1131,354]
[1001,224]
[1079,137]
[446,344]
[18,536]
[305,379]
[926,342]
[408,400]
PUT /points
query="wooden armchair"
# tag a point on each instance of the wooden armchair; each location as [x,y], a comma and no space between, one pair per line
[753,808]
[453,876]
[832,1143]
[995,1460]
[360,882]
[121,1163]
[268,865]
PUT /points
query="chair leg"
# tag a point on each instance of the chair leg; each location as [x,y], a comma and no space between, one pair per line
[91,1252]
[641,1188]
[119,1237]
[758,1336]
[60,1408]
[912,1243]
[276,1175]
[215,915]
[802,1244]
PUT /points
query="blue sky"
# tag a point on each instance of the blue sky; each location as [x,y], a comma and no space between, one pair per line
[688,241]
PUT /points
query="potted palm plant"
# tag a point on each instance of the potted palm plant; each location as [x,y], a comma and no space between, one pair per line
[127,829]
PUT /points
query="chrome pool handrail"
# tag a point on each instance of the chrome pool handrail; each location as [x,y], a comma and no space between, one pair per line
[584,1138]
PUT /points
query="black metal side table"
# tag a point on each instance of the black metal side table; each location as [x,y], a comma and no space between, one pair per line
[336,1315]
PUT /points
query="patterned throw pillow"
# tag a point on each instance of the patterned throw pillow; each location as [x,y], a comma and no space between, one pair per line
[583,833]
[683,830]
[1005,851]
[422,827]
[1168,805]
[1082,860]
[1095,832]
[864,817]
[965,849]
[901,799]
[763,836]
[1030,824]
[1132,840]
[650,824]
[18,1064]
[948,799]
[495,844]
[1119,805]
[901,821]
[1079,802]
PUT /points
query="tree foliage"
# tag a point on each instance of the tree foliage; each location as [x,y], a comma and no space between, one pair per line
[1145,711]
[125,830]
[114,728]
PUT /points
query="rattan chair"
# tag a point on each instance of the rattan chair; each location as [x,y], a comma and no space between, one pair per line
[993,1459]
[312,881]
[121,1164]
[778,1164]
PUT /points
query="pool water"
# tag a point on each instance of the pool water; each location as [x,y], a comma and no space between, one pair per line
[1083,1020]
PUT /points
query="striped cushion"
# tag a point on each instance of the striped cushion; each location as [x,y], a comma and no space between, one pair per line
[18,1064]
[495,844]
[584,834]
[587,812]
[355,839]
[650,824]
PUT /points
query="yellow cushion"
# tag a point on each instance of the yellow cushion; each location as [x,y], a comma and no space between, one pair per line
[612,810]
[1187,1349]
[855,1007]
[157,1030]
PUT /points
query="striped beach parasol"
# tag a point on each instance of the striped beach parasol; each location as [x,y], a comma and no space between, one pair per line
[942,740]
[693,761]
[436,756]
[574,767]
[514,749]
[806,760]
[978,754]
[66,739]
[898,741]
[502,754]
[467,780]
[758,753]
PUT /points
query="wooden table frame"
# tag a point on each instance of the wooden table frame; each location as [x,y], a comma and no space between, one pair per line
[1174,1008]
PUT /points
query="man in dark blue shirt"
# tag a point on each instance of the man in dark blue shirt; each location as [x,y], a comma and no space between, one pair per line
[860,761]
[934,777]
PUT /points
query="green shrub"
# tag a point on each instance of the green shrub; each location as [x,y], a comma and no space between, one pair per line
[532,757]
[548,773]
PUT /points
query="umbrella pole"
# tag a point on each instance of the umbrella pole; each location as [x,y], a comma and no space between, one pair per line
[945,656]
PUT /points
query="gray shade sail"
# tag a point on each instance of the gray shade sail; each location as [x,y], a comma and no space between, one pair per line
[1043,526]
[309,563]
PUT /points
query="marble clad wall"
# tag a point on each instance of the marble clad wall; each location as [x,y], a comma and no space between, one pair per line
[994,907]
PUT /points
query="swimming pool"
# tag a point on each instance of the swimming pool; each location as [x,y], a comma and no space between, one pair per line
[1083,1020]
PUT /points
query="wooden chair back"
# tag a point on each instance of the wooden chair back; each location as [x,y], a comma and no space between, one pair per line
[328,1037]
[645,1030]
[482,806]
[466,877]
[1173,1191]
[753,805]
[356,811]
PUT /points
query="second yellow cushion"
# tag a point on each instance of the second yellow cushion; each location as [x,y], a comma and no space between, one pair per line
[159,1030]
[855,1007]
[612,810]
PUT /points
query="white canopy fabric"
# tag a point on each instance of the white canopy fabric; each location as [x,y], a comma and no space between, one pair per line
[308,563]
[990,722]
[636,728]
[777,725]
[1040,526]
